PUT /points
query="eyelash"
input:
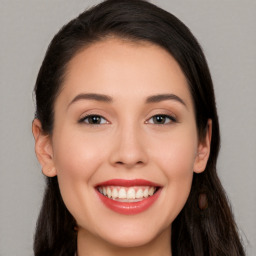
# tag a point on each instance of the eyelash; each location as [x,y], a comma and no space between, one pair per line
[82,120]
[172,119]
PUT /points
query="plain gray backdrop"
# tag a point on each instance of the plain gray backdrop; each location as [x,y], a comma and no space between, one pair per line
[226,31]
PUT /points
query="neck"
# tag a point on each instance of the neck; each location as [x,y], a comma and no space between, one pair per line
[90,245]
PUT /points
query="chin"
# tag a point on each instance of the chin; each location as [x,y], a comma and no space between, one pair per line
[134,233]
[129,240]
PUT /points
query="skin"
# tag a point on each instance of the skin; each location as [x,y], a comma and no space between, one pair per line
[127,144]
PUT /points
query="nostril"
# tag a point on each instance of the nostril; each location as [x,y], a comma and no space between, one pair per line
[123,163]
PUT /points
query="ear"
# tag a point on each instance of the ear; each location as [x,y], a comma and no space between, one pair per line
[203,150]
[43,149]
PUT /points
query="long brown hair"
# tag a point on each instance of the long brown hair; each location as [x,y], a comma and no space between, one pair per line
[197,231]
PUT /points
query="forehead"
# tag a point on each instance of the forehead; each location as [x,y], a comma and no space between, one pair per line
[122,69]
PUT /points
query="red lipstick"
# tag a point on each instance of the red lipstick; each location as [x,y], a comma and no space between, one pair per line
[128,208]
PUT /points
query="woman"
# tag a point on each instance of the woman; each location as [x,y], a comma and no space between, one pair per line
[126,131]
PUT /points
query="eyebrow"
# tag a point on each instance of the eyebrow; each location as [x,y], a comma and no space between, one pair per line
[108,99]
[92,96]
[163,97]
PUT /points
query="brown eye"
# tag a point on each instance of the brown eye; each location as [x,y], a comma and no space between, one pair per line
[93,119]
[161,119]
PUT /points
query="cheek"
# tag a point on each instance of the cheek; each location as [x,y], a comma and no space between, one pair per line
[76,155]
[76,158]
[175,158]
[176,153]
[177,163]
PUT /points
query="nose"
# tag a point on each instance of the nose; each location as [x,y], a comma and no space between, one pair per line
[129,148]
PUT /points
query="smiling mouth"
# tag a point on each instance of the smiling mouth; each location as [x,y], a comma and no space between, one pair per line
[127,194]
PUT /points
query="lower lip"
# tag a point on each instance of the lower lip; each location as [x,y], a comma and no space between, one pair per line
[129,208]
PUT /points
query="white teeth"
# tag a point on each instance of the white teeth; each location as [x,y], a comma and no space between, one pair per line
[109,192]
[131,193]
[139,193]
[145,193]
[104,191]
[122,193]
[151,191]
[114,193]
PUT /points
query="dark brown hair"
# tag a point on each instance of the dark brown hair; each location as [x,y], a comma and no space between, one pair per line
[209,231]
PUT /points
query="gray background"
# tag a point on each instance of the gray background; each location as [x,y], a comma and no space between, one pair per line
[225,29]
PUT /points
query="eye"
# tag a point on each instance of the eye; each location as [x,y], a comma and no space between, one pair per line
[161,119]
[93,120]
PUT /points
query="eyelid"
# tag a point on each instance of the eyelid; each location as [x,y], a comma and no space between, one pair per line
[82,119]
[172,118]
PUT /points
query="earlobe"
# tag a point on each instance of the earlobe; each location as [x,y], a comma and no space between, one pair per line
[203,151]
[43,149]
[49,172]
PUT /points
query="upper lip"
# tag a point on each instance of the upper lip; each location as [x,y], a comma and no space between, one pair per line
[127,183]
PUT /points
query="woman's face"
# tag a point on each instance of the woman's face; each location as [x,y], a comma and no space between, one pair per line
[124,126]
